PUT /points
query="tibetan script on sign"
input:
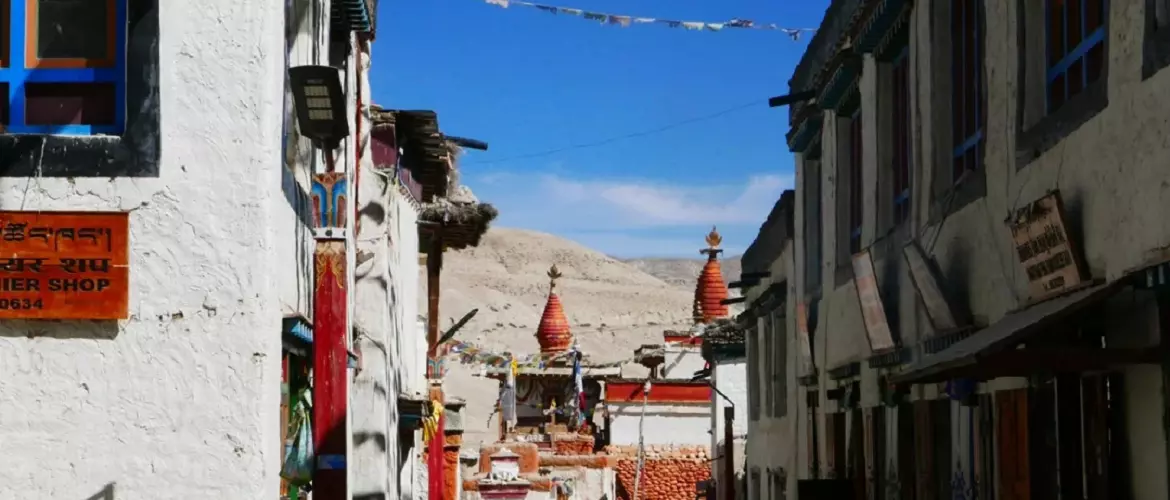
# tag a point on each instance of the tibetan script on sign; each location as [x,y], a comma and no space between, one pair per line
[872,312]
[64,265]
[1042,246]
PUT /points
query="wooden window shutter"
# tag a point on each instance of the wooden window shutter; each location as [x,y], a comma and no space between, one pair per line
[857,454]
[907,451]
[1012,440]
[831,446]
[924,452]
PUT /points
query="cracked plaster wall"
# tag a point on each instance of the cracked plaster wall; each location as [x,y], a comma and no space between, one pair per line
[180,400]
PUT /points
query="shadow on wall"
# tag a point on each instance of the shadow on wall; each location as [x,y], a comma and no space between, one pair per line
[106,493]
[63,330]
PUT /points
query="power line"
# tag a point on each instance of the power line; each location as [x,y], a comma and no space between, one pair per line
[611,140]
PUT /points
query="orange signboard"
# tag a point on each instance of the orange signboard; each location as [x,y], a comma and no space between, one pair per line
[64,265]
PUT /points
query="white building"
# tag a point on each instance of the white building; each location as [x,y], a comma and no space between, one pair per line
[979,250]
[771,448]
[179,392]
[724,349]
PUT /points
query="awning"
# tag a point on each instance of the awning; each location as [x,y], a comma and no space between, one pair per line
[1004,335]
[297,335]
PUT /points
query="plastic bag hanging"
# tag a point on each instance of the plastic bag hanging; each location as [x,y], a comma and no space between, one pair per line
[297,468]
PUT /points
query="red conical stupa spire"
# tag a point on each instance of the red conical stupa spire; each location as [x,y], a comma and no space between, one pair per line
[553,333]
[710,291]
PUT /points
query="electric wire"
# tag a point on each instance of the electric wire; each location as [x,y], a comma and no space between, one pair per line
[614,139]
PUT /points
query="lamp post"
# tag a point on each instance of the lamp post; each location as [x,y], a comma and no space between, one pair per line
[321,116]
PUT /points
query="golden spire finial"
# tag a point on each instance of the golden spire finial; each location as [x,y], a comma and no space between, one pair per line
[713,239]
[553,274]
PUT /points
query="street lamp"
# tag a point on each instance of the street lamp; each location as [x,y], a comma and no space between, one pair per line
[320,104]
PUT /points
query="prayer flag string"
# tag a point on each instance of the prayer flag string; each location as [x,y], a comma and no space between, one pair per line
[626,21]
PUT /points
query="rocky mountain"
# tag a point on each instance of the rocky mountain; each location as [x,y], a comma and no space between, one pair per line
[613,306]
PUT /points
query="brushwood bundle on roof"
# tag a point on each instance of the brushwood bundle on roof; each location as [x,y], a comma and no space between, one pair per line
[460,224]
[723,338]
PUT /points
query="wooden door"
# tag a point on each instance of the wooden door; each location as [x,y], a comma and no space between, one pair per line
[835,444]
[906,452]
[1012,440]
[1096,437]
[924,453]
[870,453]
[857,455]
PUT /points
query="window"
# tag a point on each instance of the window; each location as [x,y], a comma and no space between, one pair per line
[62,66]
[777,478]
[967,113]
[812,224]
[753,351]
[766,372]
[1075,48]
[901,144]
[855,197]
[779,365]
[1157,40]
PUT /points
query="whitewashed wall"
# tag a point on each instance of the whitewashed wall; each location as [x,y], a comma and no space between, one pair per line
[682,361]
[180,400]
[666,424]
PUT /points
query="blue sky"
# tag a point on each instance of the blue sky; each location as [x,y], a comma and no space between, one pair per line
[527,81]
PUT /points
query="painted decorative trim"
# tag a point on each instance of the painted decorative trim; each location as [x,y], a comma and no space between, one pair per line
[328,193]
[845,73]
[884,19]
[894,357]
[801,136]
[297,329]
[682,340]
[660,392]
[355,15]
[844,371]
[937,343]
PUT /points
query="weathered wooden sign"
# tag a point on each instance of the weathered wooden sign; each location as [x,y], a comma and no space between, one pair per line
[802,336]
[942,317]
[64,265]
[872,312]
[1051,261]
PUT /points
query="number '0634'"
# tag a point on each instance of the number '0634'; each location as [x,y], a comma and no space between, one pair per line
[13,304]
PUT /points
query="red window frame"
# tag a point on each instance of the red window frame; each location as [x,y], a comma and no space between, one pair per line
[855,197]
[1075,49]
[902,144]
[968,116]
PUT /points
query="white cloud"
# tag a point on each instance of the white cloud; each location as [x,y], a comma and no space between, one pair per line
[632,217]
[615,204]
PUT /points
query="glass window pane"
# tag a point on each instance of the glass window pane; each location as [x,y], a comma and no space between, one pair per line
[69,103]
[73,29]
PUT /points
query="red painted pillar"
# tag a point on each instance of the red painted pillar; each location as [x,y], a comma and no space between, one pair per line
[330,365]
[435,459]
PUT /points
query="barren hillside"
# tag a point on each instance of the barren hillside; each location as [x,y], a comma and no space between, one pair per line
[613,306]
[682,272]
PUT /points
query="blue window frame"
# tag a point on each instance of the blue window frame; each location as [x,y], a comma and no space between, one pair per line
[901,143]
[63,66]
[1076,47]
[967,100]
